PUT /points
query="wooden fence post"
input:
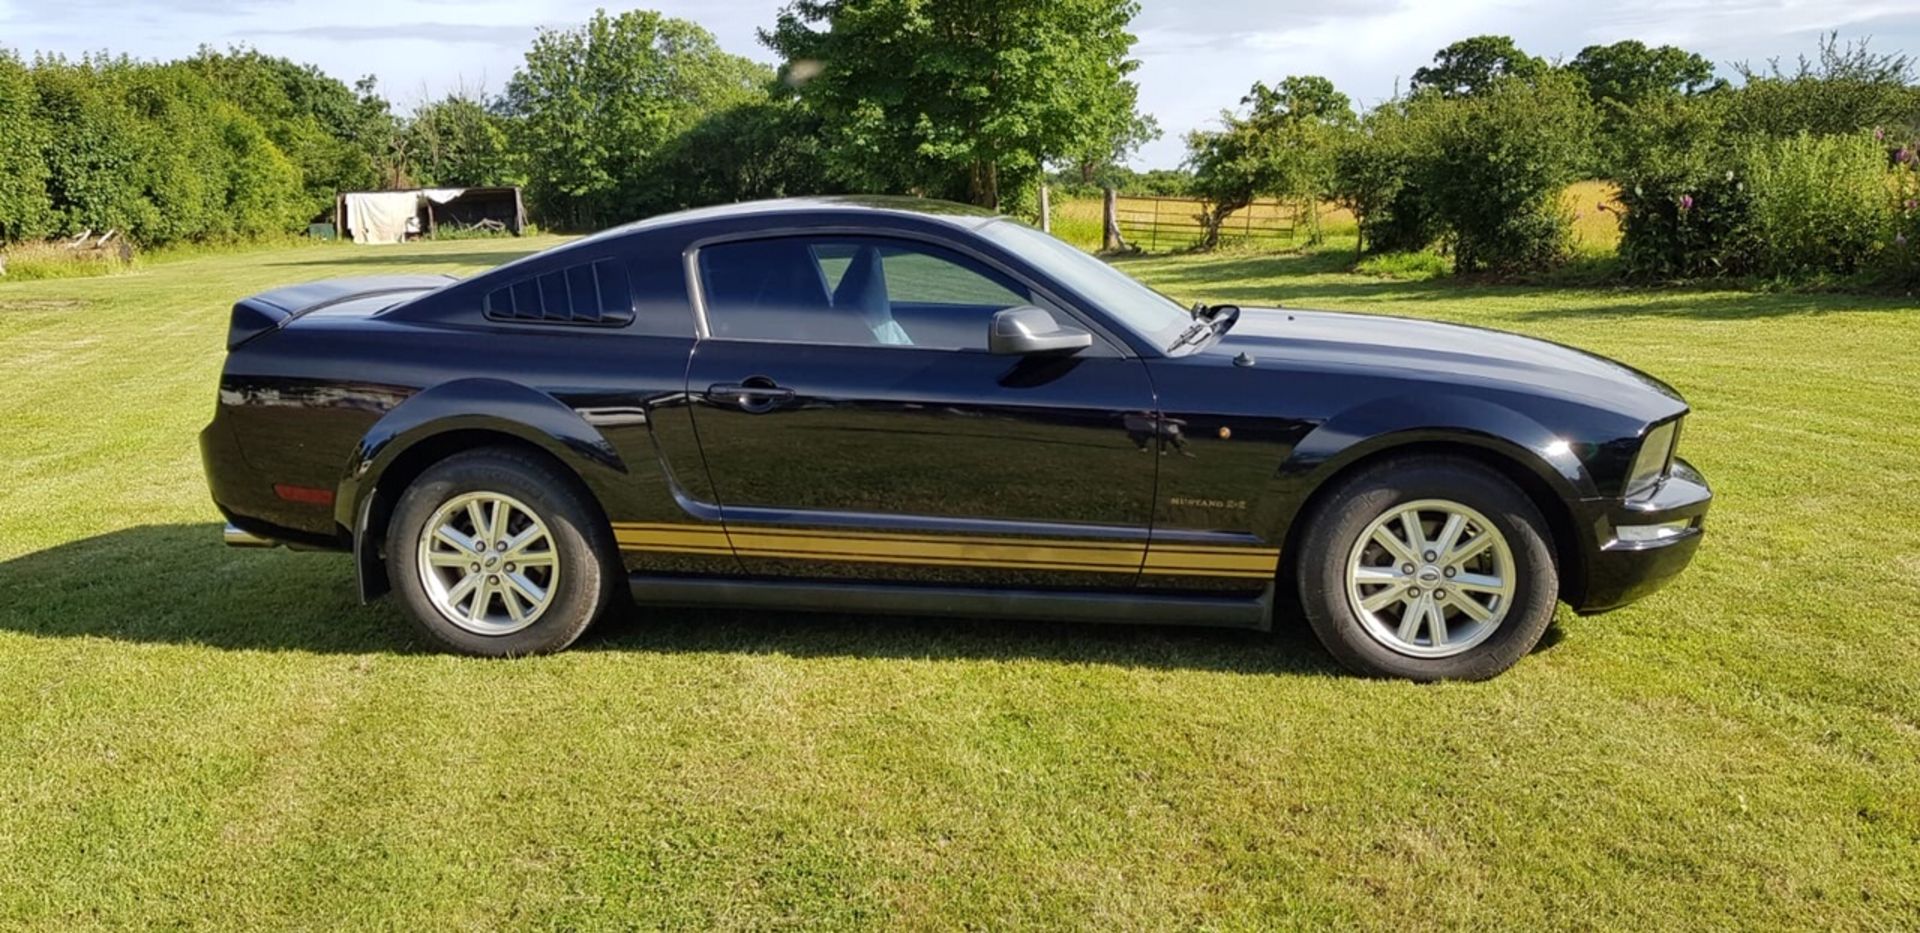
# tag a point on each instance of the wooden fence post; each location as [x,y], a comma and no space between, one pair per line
[1046,210]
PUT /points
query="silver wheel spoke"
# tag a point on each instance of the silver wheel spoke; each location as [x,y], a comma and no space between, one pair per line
[1469,550]
[497,528]
[453,537]
[1378,575]
[532,591]
[1411,616]
[1393,545]
[1416,536]
[534,559]
[460,590]
[482,600]
[1384,598]
[510,598]
[1436,623]
[1470,606]
[477,515]
[1450,533]
[519,543]
[450,559]
[1479,583]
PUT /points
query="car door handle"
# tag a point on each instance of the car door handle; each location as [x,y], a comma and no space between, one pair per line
[756,394]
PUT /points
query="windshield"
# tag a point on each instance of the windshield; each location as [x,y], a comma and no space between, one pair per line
[1140,309]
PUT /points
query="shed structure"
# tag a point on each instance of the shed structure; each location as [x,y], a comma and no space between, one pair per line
[398,216]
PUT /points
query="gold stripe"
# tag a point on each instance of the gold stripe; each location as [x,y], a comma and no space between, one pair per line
[1084,544]
[953,550]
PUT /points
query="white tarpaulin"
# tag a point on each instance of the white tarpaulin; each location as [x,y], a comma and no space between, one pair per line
[382,216]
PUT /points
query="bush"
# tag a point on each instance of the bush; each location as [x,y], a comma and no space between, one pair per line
[1898,264]
[1493,167]
[1684,206]
[1820,204]
[1373,177]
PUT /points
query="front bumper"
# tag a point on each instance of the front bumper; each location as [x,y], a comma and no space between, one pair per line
[1624,566]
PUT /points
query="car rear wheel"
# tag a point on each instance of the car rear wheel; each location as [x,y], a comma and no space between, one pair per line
[1432,568]
[495,553]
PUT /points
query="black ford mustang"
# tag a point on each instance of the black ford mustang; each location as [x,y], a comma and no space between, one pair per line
[907,406]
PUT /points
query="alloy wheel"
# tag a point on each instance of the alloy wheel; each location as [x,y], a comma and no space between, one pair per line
[1431,578]
[488,563]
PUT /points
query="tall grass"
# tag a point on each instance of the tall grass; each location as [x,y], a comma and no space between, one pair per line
[27,262]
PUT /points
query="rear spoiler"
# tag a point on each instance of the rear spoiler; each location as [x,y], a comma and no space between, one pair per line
[275,309]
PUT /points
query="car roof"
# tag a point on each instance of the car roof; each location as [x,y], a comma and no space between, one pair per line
[965,216]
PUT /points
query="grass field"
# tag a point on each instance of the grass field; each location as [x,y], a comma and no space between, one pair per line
[190,734]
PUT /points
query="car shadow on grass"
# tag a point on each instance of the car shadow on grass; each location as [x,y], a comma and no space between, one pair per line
[178,584]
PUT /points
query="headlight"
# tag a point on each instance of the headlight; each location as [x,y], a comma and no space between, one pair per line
[1656,454]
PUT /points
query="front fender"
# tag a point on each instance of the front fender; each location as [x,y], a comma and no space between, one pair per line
[1392,422]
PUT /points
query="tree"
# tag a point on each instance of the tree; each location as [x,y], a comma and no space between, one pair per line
[965,99]
[1471,66]
[596,106]
[1283,147]
[1229,171]
[316,121]
[93,159]
[1115,134]
[1628,72]
[457,141]
[25,209]
[762,149]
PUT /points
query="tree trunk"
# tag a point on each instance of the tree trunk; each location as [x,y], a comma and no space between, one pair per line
[1110,239]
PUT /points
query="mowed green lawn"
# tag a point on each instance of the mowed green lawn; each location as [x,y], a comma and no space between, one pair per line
[195,734]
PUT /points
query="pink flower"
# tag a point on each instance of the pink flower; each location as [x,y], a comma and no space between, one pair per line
[1686,202]
[1904,156]
[1879,133]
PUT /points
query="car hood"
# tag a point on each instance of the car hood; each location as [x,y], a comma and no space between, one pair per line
[1447,352]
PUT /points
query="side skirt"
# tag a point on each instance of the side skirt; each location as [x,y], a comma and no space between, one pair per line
[895,599]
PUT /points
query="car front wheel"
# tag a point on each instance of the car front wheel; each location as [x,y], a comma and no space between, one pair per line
[495,553]
[1432,568]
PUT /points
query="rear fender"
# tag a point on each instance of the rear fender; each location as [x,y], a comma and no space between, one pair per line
[493,406]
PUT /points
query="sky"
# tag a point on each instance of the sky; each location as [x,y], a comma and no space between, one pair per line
[1197,57]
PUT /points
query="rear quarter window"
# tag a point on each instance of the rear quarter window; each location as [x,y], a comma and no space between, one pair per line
[593,293]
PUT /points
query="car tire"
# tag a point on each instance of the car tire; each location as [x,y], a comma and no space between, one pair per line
[1348,561]
[566,577]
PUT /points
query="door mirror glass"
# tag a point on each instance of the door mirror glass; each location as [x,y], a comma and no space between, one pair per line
[1027,330]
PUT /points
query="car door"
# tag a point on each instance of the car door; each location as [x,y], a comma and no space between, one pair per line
[854,423]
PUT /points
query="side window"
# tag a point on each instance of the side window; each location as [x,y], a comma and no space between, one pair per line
[860,291]
[595,293]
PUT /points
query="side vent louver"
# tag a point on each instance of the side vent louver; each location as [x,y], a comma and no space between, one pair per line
[595,294]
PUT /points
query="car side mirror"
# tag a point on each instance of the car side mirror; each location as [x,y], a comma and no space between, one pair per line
[1027,330]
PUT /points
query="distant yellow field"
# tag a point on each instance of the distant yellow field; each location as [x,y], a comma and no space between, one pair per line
[1596,216]
[1078,220]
